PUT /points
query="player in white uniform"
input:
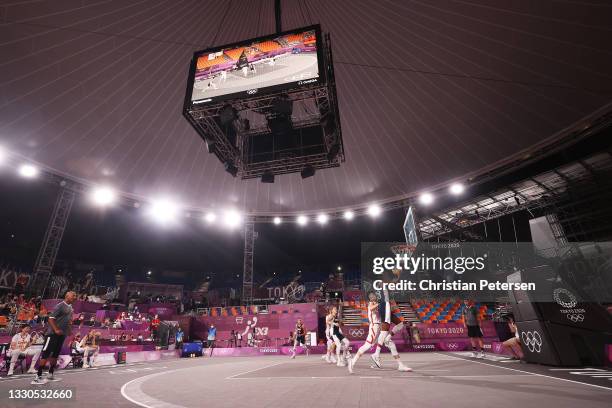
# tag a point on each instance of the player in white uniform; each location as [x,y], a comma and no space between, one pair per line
[379,316]
[329,357]
[341,342]
[373,330]
[385,337]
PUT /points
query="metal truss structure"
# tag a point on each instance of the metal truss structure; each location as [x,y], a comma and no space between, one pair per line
[562,194]
[53,238]
[325,115]
[247,272]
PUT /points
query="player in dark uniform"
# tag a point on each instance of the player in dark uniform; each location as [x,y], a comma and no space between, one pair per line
[300,337]
[341,342]
[60,320]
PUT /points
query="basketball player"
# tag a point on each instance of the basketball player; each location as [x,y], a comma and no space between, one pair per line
[373,330]
[300,337]
[385,337]
[341,342]
[329,357]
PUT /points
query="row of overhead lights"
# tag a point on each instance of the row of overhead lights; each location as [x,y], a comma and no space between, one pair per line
[165,211]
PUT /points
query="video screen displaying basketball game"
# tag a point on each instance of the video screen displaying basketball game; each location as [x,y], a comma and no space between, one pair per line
[275,62]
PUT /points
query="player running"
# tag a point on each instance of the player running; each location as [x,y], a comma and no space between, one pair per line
[300,337]
[373,330]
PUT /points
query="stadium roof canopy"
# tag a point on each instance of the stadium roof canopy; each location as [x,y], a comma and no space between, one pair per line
[429,92]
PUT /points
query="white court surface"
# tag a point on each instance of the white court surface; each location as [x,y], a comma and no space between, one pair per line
[438,380]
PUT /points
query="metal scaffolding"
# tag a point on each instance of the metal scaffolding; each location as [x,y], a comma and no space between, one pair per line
[52,239]
[247,274]
[573,197]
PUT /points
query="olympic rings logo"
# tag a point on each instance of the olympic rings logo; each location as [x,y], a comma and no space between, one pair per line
[356,332]
[532,340]
[576,318]
[571,300]
[452,346]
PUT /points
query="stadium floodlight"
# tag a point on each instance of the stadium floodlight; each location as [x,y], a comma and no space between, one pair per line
[28,171]
[232,218]
[456,188]
[2,155]
[374,210]
[278,220]
[302,220]
[426,198]
[349,215]
[164,211]
[339,268]
[103,196]
[210,217]
[322,219]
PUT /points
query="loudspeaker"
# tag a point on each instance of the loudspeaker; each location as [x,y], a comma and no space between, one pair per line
[121,357]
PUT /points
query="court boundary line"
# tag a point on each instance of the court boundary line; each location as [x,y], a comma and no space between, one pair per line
[257,369]
[535,374]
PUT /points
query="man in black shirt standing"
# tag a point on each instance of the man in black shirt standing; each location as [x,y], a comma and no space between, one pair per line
[60,320]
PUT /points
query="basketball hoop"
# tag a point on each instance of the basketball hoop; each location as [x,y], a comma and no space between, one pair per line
[403,249]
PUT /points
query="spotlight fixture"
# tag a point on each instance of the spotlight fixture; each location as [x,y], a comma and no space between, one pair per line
[302,220]
[28,171]
[322,219]
[277,220]
[456,188]
[210,217]
[308,171]
[231,169]
[103,196]
[426,198]
[164,211]
[232,218]
[267,177]
[374,210]
[349,215]
[339,268]
[2,155]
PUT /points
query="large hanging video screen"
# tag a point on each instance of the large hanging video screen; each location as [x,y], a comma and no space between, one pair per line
[281,61]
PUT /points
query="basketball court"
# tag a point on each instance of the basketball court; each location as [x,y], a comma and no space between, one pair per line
[277,381]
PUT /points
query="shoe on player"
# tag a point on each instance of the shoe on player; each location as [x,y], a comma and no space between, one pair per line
[350,366]
[481,355]
[39,380]
[474,354]
[403,368]
[51,377]
[376,361]
[341,363]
